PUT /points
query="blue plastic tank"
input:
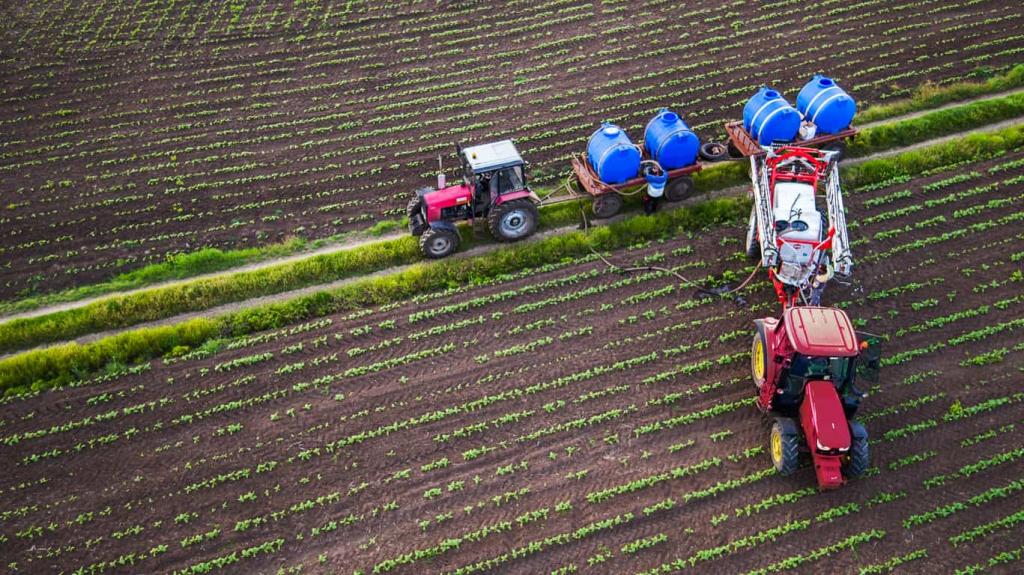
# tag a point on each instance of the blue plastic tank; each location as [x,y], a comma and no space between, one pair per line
[612,155]
[669,141]
[828,106]
[768,117]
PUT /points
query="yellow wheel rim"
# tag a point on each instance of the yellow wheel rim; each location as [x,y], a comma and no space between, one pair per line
[776,447]
[758,359]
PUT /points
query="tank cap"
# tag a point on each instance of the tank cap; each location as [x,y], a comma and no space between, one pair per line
[669,117]
[825,82]
[770,94]
[611,131]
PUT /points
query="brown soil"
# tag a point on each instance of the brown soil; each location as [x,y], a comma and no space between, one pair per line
[92,494]
[110,116]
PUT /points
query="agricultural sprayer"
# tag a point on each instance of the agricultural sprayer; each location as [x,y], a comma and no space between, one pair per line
[805,364]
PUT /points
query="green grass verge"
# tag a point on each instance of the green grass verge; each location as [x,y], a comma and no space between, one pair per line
[210,260]
[64,363]
[937,124]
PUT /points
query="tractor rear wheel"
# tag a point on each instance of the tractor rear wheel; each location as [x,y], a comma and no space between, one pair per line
[513,220]
[606,205]
[759,357]
[679,189]
[438,243]
[785,446]
[859,458]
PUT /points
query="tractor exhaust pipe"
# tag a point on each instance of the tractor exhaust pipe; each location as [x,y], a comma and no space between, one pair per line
[440,173]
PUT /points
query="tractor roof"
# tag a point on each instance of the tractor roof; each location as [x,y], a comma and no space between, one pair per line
[820,332]
[493,156]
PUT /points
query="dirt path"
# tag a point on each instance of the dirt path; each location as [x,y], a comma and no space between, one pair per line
[287,295]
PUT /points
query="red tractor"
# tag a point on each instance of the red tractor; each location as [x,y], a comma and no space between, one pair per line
[493,187]
[804,368]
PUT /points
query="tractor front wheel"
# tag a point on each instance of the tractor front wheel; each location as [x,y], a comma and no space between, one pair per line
[607,205]
[415,212]
[679,189]
[438,243]
[859,458]
[785,446]
[513,220]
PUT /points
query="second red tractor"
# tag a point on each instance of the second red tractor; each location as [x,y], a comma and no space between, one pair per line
[805,367]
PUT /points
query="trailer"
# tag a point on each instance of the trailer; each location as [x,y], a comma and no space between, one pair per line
[607,198]
[742,144]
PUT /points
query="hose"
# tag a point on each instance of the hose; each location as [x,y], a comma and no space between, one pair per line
[698,287]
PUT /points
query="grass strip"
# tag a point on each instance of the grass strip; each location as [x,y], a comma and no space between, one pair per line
[936,124]
[61,364]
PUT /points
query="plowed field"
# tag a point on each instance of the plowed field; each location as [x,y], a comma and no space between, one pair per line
[565,419]
[133,131]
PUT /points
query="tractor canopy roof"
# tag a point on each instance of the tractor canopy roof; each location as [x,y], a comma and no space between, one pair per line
[820,332]
[493,156]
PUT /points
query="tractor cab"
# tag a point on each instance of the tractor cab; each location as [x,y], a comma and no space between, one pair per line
[810,344]
[493,187]
[491,171]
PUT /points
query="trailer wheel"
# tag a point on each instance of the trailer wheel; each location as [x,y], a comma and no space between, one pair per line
[759,357]
[438,243]
[785,446]
[679,189]
[714,152]
[414,210]
[513,220]
[607,205]
[859,457]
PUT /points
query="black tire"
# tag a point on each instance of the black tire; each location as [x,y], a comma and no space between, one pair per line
[786,453]
[859,456]
[759,361]
[438,243]
[840,147]
[606,205]
[414,210]
[513,221]
[714,152]
[679,189]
